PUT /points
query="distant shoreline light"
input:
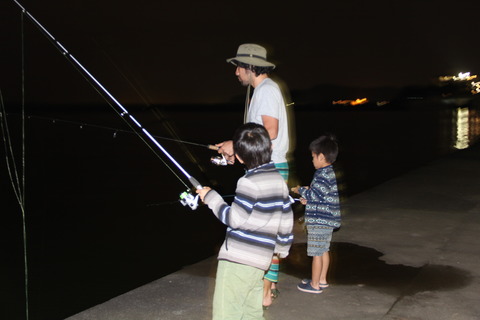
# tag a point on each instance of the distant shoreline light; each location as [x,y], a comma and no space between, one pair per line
[463,76]
[355,102]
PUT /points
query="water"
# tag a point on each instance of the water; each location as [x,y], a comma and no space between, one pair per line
[102,213]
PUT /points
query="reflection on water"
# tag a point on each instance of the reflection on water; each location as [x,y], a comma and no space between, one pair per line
[462,139]
[466,128]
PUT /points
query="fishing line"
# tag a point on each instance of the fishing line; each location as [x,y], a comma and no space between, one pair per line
[225,196]
[10,156]
[18,185]
[176,201]
[24,223]
[155,111]
[157,114]
[120,109]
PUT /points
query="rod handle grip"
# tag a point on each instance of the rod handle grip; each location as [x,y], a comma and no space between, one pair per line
[213,147]
[195,183]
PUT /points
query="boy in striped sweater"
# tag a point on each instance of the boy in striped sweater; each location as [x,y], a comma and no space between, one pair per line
[259,224]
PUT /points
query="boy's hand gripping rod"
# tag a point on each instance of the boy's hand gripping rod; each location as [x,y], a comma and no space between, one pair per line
[186,198]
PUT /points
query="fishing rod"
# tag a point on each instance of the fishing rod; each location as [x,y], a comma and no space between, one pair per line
[187,197]
[116,130]
[218,160]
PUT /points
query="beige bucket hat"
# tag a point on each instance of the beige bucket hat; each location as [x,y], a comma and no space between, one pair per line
[252,54]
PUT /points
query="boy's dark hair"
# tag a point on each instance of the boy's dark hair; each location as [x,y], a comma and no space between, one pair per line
[251,142]
[327,145]
[256,69]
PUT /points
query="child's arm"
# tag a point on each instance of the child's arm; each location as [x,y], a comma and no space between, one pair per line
[238,213]
[285,234]
[319,188]
[296,190]
[323,188]
[310,194]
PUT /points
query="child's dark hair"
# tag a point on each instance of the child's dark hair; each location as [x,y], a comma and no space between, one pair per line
[251,142]
[327,145]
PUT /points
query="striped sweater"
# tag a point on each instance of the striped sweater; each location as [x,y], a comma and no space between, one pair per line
[259,221]
[323,205]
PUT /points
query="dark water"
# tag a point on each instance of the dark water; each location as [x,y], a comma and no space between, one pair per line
[102,215]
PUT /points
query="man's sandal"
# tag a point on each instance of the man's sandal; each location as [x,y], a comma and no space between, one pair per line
[275,293]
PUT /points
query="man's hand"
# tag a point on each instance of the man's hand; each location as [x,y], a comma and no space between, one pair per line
[226,148]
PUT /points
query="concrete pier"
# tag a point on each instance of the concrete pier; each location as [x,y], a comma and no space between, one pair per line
[408,249]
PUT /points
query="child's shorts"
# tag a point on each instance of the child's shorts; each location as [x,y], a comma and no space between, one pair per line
[318,240]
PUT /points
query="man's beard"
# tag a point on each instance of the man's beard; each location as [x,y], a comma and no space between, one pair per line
[244,83]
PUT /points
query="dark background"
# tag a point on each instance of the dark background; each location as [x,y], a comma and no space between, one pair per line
[155,52]
[102,213]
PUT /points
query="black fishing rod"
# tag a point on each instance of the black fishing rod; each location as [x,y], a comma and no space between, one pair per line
[116,130]
[186,198]
[218,160]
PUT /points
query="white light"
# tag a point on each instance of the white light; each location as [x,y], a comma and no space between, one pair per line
[462,141]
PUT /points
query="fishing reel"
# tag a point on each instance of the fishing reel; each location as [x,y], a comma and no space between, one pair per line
[219,160]
[187,198]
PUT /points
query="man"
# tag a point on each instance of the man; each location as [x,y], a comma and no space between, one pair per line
[267,107]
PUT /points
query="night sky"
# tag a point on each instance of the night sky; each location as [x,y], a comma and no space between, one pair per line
[154,52]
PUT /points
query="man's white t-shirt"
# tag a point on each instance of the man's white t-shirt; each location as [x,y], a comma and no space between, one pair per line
[267,100]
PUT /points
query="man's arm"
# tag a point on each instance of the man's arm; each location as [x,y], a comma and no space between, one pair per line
[271,124]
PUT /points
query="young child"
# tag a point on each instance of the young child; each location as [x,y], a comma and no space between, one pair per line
[259,223]
[322,211]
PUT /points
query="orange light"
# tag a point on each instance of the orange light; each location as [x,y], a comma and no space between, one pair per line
[351,102]
[359,101]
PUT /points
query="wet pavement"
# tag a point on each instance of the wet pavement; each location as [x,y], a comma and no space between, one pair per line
[408,249]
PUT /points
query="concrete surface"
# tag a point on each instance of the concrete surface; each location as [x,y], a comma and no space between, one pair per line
[408,249]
